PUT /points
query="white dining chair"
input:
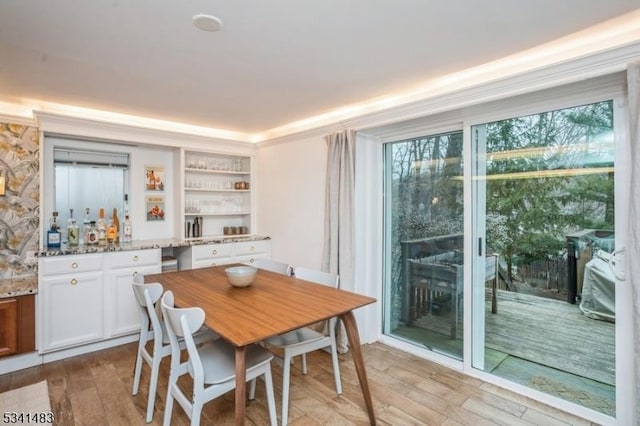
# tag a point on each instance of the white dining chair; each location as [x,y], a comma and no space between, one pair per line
[305,340]
[153,328]
[211,365]
[272,265]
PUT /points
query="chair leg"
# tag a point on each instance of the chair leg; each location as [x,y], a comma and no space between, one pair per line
[153,386]
[168,406]
[252,390]
[271,400]
[336,367]
[286,373]
[138,370]
[196,411]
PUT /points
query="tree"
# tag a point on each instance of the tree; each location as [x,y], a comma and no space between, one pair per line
[535,191]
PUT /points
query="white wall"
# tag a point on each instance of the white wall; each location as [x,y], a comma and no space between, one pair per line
[291,177]
[142,156]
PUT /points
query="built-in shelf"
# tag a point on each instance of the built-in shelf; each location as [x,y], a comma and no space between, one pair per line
[243,213]
[217,188]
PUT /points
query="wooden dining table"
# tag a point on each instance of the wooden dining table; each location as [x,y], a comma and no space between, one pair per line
[273,304]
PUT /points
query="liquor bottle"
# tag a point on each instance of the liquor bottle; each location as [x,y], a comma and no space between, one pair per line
[73,239]
[126,232]
[101,224]
[112,232]
[92,235]
[53,234]
[116,223]
[86,226]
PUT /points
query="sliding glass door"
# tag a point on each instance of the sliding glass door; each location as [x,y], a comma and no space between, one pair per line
[424,242]
[543,215]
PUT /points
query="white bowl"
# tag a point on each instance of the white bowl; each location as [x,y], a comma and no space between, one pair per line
[241,276]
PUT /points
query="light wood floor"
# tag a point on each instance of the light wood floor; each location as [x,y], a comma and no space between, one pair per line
[95,389]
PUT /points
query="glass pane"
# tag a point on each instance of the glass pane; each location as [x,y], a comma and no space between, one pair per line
[80,186]
[545,191]
[424,228]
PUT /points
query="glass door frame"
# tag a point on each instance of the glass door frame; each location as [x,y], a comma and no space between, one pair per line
[474,314]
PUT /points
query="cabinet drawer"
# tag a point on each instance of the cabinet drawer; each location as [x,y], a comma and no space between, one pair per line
[133,258]
[212,262]
[71,264]
[251,248]
[211,251]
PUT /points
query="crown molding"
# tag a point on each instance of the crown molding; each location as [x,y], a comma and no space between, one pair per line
[562,73]
[81,127]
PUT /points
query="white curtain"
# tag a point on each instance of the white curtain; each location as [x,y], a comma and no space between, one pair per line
[632,272]
[338,256]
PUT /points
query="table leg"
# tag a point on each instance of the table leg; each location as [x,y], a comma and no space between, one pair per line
[349,321]
[241,384]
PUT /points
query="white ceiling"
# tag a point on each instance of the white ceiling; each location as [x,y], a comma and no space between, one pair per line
[274,62]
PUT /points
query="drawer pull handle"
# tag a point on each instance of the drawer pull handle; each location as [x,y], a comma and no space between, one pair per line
[135,274]
[252,260]
[214,252]
[252,248]
[74,265]
[135,258]
[74,281]
[213,264]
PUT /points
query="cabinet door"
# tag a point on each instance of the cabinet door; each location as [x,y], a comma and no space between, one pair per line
[8,326]
[120,303]
[72,310]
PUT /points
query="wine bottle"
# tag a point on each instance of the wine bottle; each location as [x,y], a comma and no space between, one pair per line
[126,232]
[112,232]
[54,236]
[92,236]
[86,226]
[116,223]
[101,224]
[73,239]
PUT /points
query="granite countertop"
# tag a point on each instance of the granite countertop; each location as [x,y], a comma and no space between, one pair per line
[143,245]
[22,286]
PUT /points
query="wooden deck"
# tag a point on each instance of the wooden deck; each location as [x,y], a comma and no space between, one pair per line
[553,333]
[547,344]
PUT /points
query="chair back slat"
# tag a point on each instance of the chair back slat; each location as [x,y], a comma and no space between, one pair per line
[273,266]
[315,276]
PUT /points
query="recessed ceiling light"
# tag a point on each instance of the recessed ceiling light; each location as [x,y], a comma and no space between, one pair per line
[207,22]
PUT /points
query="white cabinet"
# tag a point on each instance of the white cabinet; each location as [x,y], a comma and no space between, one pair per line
[219,189]
[88,297]
[121,308]
[71,306]
[205,255]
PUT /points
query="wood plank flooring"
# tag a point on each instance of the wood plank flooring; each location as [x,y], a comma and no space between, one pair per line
[95,389]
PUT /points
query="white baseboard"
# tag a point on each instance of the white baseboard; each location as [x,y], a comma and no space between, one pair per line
[85,349]
[19,362]
[13,363]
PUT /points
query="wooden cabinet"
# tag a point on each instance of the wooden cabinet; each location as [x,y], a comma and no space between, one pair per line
[17,325]
[120,303]
[88,298]
[219,189]
[205,255]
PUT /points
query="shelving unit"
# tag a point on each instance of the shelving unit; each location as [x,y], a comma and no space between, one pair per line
[218,188]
